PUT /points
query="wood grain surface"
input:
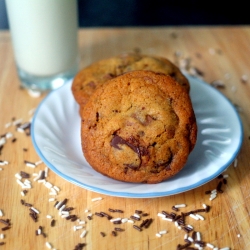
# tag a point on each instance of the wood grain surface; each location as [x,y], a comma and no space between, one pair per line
[220,54]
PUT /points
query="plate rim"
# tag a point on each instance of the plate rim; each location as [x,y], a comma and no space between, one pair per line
[139,195]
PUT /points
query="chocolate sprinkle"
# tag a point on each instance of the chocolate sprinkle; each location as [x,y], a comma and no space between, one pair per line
[175,208]
[99,214]
[118,211]
[117,222]
[180,247]
[144,222]
[25,203]
[6,228]
[79,246]
[138,211]
[71,217]
[177,218]
[89,217]
[137,228]
[33,216]
[56,203]
[148,223]
[68,209]
[218,188]
[74,218]
[194,235]
[52,223]
[135,218]
[106,215]
[166,214]
[62,203]
[6,222]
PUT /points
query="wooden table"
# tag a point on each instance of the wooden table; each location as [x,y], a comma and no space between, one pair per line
[215,53]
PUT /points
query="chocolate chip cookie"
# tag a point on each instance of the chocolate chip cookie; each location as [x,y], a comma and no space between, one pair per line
[138,127]
[95,75]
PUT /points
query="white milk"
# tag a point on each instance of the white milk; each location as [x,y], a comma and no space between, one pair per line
[44,35]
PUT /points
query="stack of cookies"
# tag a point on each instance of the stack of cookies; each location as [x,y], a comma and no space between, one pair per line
[137,119]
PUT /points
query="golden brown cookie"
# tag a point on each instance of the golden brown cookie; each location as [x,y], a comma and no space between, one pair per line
[93,76]
[138,127]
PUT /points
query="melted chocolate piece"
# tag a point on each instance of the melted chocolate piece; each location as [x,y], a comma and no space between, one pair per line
[132,166]
[119,140]
[133,144]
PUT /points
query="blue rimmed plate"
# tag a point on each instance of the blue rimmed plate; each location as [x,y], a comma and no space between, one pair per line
[55,135]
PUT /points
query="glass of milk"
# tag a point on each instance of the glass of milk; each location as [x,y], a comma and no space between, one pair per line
[45,42]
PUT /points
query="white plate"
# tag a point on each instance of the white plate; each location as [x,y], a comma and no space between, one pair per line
[55,134]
